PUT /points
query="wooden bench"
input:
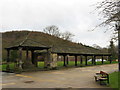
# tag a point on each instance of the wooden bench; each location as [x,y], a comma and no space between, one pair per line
[102,76]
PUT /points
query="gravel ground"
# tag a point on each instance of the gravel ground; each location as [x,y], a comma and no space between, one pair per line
[82,77]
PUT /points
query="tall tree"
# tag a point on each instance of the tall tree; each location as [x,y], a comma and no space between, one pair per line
[112,50]
[110,9]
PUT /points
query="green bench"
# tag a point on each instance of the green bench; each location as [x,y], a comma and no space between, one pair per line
[102,77]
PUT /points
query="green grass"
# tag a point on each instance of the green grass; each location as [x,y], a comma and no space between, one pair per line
[72,63]
[40,64]
[60,64]
[3,67]
[114,79]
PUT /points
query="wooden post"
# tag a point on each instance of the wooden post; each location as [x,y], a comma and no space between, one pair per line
[32,56]
[47,61]
[81,61]
[102,60]
[75,60]
[8,60]
[86,60]
[26,54]
[67,60]
[64,60]
[93,59]
[34,61]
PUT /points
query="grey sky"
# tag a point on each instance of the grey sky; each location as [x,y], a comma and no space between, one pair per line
[68,15]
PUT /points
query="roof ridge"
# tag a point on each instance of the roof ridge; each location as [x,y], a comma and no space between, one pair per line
[25,38]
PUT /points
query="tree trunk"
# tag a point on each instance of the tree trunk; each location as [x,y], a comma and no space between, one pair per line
[119,48]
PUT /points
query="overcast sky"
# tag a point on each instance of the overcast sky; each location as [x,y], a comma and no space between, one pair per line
[74,16]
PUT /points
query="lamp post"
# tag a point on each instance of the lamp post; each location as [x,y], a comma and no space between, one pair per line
[118,29]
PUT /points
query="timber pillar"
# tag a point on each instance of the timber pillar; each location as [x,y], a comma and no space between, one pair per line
[86,60]
[94,59]
[102,60]
[75,60]
[34,61]
[8,60]
[81,61]
[67,59]
[64,59]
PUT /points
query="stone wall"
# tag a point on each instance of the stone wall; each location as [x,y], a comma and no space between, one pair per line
[50,60]
[54,60]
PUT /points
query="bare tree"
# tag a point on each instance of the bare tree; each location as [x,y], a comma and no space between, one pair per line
[52,30]
[67,35]
[110,9]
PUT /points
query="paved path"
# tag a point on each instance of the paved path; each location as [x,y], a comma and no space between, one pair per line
[82,77]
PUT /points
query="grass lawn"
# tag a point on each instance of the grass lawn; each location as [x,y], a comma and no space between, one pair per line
[40,64]
[72,63]
[3,67]
[60,64]
[114,79]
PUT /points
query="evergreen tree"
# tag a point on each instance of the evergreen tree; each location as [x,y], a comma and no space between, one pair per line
[112,50]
